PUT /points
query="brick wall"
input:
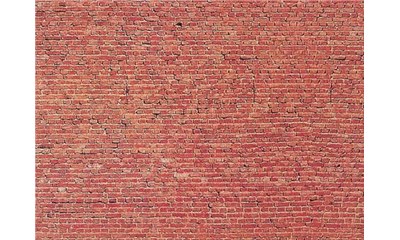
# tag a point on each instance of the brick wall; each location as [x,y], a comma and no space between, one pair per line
[199,119]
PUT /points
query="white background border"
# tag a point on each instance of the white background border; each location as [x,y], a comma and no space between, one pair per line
[382,119]
[17,120]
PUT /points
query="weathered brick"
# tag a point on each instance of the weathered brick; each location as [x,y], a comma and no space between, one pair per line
[199,119]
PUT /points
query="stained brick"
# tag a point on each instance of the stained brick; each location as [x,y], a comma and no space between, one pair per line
[199,119]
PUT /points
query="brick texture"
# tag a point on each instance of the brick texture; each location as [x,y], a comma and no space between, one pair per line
[199,119]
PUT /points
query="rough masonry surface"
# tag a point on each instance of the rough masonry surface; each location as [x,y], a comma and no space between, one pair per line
[199,119]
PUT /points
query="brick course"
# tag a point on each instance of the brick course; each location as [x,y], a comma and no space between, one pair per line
[199,119]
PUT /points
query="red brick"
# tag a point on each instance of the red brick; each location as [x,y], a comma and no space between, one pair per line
[199,119]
